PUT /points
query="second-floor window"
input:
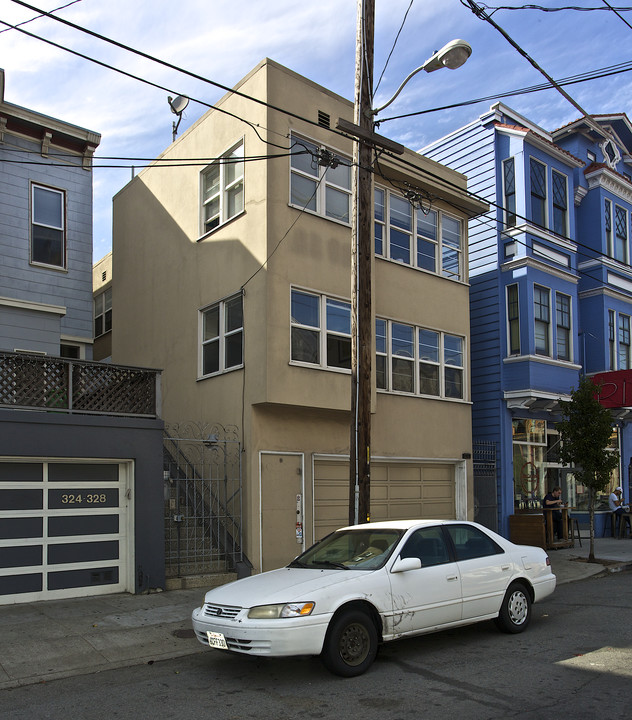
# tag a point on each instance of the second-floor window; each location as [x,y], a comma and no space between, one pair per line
[103,313]
[320,330]
[48,241]
[320,180]
[222,336]
[624,342]
[513,320]
[223,188]
[563,326]
[418,361]
[542,320]
[428,239]
[620,234]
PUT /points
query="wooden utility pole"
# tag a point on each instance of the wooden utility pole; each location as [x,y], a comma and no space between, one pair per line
[361,259]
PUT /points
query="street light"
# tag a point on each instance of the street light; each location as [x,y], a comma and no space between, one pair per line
[451,56]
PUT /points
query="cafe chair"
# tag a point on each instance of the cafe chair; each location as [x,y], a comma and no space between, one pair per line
[612,518]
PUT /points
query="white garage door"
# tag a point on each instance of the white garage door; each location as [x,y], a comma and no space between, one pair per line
[398,491]
[63,529]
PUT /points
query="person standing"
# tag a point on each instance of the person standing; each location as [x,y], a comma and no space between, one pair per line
[553,501]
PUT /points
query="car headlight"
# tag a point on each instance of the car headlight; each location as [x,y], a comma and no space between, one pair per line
[289,610]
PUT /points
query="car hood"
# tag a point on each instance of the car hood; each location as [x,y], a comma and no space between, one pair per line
[282,586]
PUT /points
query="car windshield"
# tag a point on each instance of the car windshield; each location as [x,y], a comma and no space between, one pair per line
[364,549]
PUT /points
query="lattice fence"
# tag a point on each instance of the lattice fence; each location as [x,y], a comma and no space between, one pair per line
[45,383]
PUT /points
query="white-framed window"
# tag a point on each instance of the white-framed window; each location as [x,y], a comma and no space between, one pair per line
[563,326]
[320,180]
[48,226]
[537,176]
[513,320]
[560,203]
[222,336]
[223,188]
[509,191]
[612,340]
[103,313]
[424,238]
[542,320]
[419,361]
[623,338]
[320,330]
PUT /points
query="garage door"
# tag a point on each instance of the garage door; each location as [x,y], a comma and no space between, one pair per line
[63,529]
[398,491]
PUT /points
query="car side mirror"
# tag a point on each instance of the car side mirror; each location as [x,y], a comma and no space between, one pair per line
[406,564]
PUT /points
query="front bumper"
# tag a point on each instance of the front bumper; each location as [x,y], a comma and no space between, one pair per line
[276,637]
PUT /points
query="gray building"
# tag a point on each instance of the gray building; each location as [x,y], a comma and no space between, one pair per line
[81,478]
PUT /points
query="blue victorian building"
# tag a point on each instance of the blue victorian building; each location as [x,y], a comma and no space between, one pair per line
[551,288]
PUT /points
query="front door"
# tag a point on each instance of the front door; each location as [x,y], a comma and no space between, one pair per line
[281,509]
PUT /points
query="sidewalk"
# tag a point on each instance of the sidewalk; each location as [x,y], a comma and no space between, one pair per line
[59,638]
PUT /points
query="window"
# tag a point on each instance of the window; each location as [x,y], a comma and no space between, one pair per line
[428,239]
[509,189]
[624,342]
[428,544]
[470,542]
[542,319]
[328,346]
[323,189]
[538,192]
[513,320]
[103,313]
[222,334]
[560,204]
[621,234]
[608,227]
[48,242]
[223,189]
[612,341]
[563,326]
[419,361]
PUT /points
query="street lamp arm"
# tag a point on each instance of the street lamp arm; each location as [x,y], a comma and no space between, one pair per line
[452,56]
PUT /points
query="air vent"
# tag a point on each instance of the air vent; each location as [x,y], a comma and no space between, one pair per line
[324,120]
[104,275]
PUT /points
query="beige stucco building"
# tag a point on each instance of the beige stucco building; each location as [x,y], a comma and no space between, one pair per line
[233,276]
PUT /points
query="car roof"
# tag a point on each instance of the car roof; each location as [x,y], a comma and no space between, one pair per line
[402,524]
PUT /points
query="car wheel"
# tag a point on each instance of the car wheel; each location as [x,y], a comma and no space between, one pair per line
[515,612]
[351,644]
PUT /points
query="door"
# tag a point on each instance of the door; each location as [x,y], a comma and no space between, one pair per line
[430,596]
[282,508]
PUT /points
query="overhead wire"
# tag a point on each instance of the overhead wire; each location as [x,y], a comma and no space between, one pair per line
[38,17]
[399,32]
[616,12]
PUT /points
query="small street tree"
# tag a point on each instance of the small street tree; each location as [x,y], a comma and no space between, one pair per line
[585,434]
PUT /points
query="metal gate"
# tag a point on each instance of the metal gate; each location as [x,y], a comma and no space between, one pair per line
[203,500]
[485,484]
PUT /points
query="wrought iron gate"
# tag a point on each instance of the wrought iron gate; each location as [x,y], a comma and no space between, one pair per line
[203,499]
[485,484]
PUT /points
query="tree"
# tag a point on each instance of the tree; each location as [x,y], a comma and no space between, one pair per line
[585,434]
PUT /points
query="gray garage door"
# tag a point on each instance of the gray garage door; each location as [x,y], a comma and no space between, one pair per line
[63,529]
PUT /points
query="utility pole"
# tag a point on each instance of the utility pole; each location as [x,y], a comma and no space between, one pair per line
[361,259]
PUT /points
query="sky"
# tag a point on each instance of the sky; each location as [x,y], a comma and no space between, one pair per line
[222,40]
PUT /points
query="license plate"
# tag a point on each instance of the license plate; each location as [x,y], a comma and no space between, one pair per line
[216,640]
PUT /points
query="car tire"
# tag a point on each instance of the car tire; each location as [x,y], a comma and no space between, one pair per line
[515,612]
[351,644]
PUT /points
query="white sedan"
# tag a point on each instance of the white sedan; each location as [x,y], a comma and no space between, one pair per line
[367,584]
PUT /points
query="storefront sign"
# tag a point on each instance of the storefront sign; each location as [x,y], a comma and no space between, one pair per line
[616,388]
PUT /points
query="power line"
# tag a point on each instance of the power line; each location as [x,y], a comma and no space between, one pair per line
[30,20]
[608,71]
[616,12]
[576,8]
[152,58]
[399,32]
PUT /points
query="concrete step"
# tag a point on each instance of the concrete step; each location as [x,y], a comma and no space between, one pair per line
[207,581]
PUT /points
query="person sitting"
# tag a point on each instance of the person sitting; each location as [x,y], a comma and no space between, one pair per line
[553,501]
[615,501]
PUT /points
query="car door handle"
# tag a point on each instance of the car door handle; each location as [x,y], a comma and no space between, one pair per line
[505,567]
[452,577]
